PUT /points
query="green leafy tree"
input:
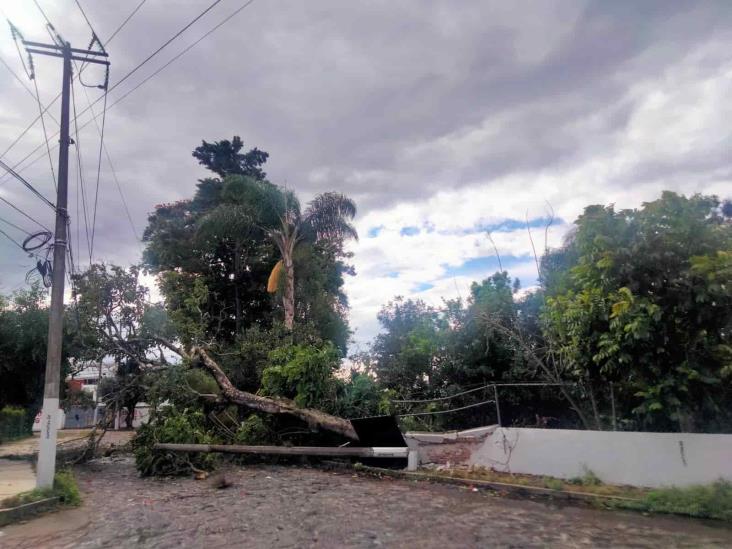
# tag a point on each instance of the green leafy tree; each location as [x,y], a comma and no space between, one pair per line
[645,305]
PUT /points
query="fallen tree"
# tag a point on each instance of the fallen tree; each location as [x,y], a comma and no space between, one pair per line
[315,419]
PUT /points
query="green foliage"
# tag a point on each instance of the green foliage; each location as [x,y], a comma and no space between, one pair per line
[23,334]
[64,488]
[14,423]
[253,430]
[213,253]
[173,426]
[589,478]
[707,501]
[553,483]
[303,373]
[642,298]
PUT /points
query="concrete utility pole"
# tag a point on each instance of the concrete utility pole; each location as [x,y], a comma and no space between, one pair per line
[49,417]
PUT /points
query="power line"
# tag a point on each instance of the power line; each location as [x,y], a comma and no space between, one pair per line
[125,77]
[6,235]
[15,75]
[134,11]
[185,50]
[447,411]
[225,20]
[99,169]
[111,167]
[77,146]
[25,131]
[28,185]
[23,213]
[45,134]
[161,48]
[94,34]
[21,229]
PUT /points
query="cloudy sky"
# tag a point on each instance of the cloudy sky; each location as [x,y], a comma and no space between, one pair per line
[443,120]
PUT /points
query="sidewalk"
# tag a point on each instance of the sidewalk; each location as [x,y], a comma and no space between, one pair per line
[16,476]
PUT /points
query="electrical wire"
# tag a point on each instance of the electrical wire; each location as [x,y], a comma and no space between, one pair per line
[27,129]
[121,26]
[185,50]
[446,411]
[30,187]
[188,48]
[15,75]
[114,172]
[94,34]
[23,213]
[6,235]
[488,386]
[99,169]
[45,133]
[14,226]
[77,147]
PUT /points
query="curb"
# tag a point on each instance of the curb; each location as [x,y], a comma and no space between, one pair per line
[518,489]
[27,510]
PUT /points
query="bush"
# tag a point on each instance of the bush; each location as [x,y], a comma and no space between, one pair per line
[708,501]
[14,423]
[177,427]
[64,488]
[253,430]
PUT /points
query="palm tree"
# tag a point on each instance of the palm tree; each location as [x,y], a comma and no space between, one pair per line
[325,220]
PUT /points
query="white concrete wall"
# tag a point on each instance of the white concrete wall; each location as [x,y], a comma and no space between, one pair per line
[640,459]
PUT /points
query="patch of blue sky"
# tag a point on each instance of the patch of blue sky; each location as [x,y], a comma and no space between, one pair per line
[484,266]
[480,268]
[409,231]
[393,274]
[423,287]
[373,232]
[508,225]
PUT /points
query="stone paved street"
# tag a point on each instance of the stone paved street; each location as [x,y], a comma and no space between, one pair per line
[273,506]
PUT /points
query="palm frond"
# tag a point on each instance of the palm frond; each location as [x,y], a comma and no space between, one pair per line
[328,215]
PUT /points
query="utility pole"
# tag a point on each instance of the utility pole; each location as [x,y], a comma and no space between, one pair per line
[50,414]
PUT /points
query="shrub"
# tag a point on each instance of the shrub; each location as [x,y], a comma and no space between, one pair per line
[173,426]
[64,488]
[707,501]
[253,430]
[553,483]
[14,423]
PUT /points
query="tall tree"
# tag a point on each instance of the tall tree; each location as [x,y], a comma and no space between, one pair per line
[645,304]
[224,158]
[325,221]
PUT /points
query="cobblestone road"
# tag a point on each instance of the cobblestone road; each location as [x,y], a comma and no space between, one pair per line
[272,506]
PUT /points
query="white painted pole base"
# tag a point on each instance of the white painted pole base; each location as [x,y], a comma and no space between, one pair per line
[47,448]
[412,460]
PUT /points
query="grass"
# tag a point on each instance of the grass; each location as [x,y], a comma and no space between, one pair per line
[589,483]
[64,488]
[712,501]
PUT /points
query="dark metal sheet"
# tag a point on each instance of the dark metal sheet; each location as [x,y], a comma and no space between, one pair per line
[378,431]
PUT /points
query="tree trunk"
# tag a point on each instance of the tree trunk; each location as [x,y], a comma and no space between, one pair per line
[237,299]
[288,299]
[314,418]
